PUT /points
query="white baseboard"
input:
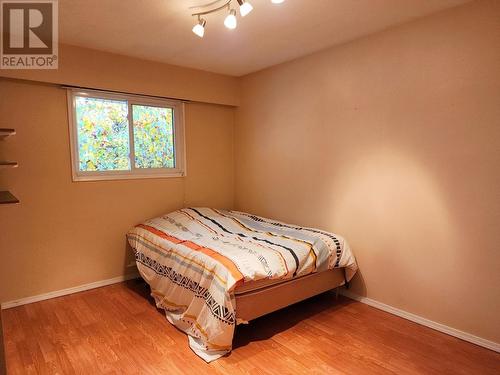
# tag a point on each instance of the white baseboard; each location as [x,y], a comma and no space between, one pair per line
[425,322]
[64,292]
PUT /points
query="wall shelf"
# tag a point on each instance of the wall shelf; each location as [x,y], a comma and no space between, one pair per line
[4,133]
[6,197]
[8,164]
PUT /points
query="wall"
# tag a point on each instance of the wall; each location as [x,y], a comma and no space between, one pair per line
[103,70]
[64,233]
[392,141]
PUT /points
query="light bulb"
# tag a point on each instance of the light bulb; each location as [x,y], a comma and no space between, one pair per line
[230,22]
[199,28]
[277,1]
[245,7]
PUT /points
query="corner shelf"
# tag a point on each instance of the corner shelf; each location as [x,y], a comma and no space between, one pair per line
[4,133]
[6,197]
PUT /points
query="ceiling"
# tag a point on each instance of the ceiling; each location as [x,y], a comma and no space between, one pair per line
[160,30]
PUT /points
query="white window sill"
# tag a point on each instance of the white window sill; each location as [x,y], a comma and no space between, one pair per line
[108,177]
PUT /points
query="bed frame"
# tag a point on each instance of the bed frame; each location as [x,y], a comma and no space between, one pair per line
[253,304]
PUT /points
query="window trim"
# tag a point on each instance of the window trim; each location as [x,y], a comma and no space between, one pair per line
[133,173]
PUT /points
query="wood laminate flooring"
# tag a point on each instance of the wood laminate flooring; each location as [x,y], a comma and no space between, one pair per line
[118,330]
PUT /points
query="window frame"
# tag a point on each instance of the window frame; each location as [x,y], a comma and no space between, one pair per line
[134,173]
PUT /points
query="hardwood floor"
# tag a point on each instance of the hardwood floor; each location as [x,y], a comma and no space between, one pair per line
[117,330]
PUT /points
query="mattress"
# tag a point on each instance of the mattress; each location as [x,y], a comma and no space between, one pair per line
[198,260]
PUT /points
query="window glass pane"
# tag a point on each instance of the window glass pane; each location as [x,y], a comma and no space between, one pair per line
[103,135]
[153,137]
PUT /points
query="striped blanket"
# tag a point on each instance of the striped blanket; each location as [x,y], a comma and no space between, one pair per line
[194,258]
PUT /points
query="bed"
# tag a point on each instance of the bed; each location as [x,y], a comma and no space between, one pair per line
[210,269]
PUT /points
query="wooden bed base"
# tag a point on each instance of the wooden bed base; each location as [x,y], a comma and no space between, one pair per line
[253,304]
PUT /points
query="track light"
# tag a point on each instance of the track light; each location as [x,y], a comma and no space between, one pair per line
[245,7]
[230,22]
[199,28]
[221,6]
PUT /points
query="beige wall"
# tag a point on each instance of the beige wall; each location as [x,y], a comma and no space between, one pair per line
[103,70]
[392,141]
[65,233]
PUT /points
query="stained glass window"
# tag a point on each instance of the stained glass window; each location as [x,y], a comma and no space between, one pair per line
[153,136]
[103,138]
[125,136]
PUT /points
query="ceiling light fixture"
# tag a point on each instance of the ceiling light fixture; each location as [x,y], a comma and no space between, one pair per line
[199,28]
[277,1]
[231,22]
[245,7]
[220,5]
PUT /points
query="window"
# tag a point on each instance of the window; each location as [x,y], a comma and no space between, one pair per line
[120,136]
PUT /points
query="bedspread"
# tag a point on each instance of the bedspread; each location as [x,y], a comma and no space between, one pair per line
[194,258]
